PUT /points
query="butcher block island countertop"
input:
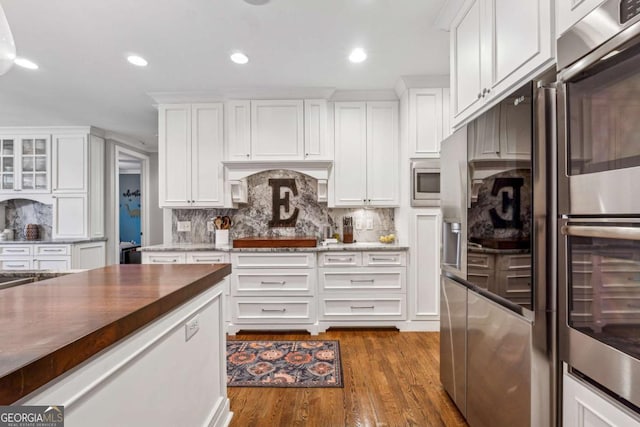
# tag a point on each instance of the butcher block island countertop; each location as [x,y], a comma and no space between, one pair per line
[49,327]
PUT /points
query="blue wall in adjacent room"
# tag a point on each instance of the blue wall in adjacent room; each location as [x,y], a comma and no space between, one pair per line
[130,208]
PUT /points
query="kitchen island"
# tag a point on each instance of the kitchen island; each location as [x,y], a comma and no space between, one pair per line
[119,345]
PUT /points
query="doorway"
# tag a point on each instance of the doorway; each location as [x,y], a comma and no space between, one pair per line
[131,207]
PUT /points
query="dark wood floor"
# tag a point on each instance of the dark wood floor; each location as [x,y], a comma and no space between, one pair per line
[390,379]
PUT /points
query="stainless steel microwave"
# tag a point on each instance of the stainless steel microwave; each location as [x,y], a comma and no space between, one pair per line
[425,182]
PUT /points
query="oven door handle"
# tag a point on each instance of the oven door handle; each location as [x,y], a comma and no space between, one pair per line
[606,232]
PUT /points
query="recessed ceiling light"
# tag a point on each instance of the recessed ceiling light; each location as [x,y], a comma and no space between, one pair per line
[137,60]
[257,2]
[357,55]
[239,58]
[25,63]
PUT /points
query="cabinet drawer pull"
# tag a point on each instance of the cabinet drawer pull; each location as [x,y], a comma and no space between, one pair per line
[161,261]
[363,306]
[276,310]
[362,280]
[214,260]
[52,250]
[346,259]
[14,250]
[382,259]
[273,282]
[16,265]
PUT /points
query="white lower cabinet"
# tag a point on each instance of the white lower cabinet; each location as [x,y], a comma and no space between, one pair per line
[424,266]
[362,289]
[273,290]
[585,406]
[54,257]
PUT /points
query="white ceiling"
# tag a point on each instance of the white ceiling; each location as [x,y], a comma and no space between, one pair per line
[84,78]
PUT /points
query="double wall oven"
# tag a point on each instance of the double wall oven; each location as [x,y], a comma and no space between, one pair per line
[599,199]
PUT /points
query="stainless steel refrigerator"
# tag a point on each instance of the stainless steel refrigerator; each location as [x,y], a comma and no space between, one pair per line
[497,284]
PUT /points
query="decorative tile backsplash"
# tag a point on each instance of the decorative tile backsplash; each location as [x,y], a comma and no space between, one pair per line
[20,212]
[494,215]
[252,219]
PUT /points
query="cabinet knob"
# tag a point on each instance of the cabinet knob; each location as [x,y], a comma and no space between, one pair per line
[248,154]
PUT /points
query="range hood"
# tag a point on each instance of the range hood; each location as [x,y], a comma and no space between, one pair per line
[237,171]
[481,169]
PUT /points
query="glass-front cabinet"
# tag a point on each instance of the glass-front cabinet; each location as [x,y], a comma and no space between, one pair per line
[25,164]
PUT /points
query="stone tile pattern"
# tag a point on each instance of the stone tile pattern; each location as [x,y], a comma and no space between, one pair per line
[480,225]
[252,218]
[20,212]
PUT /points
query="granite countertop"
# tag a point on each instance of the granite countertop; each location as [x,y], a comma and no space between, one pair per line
[50,327]
[51,242]
[359,246]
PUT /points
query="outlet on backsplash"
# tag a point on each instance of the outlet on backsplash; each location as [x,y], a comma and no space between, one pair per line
[184,226]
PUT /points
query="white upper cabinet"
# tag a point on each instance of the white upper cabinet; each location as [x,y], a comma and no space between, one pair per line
[315,130]
[426,122]
[273,130]
[371,179]
[25,163]
[189,152]
[277,130]
[569,12]
[70,157]
[238,130]
[495,45]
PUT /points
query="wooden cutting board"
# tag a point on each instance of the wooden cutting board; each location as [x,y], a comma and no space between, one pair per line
[275,242]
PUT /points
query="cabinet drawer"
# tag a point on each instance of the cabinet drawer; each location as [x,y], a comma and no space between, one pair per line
[269,282]
[391,280]
[274,260]
[384,259]
[515,262]
[484,261]
[341,259]
[16,264]
[273,310]
[481,278]
[358,308]
[163,258]
[52,250]
[15,250]
[55,263]
[207,258]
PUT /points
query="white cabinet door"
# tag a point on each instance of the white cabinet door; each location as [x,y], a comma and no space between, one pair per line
[70,168]
[350,165]
[485,135]
[424,293]
[277,130]
[189,154]
[70,219]
[569,12]
[466,63]
[238,130]
[88,255]
[521,40]
[383,180]
[206,155]
[315,129]
[425,122]
[174,155]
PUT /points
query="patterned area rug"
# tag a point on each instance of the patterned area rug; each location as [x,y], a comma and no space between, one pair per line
[284,364]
